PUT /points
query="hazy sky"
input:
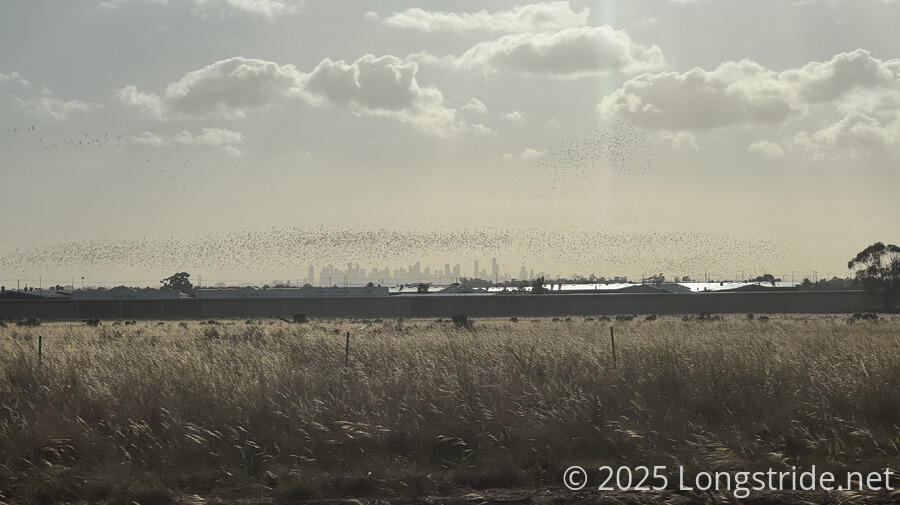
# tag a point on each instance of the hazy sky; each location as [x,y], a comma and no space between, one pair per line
[136,120]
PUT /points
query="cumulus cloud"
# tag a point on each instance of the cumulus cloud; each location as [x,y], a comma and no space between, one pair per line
[41,102]
[475,105]
[263,8]
[767,148]
[527,154]
[225,89]
[734,92]
[571,52]
[480,129]
[746,92]
[524,18]
[205,137]
[152,139]
[209,137]
[681,140]
[514,117]
[853,136]
[384,86]
[228,89]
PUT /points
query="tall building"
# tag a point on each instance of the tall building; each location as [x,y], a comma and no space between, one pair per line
[310,276]
[495,270]
[523,274]
[475,270]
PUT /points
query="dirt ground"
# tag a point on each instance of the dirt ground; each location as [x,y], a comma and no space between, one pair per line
[584,497]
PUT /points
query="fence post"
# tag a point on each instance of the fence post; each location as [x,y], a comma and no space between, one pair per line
[347,350]
[40,348]
[612,343]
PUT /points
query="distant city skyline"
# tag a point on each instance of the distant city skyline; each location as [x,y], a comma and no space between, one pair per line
[357,274]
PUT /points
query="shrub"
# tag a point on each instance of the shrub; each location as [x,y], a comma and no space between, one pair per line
[462,321]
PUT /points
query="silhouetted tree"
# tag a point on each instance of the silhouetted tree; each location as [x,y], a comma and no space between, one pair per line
[878,269]
[179,282]
[537,286]
[766,278]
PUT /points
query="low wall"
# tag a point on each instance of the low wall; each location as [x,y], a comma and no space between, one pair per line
[446,306]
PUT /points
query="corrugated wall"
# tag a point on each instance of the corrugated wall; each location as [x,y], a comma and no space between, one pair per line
[445,306]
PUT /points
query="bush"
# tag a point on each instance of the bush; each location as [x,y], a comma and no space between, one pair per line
[92,322]
[300,318]
[462,321]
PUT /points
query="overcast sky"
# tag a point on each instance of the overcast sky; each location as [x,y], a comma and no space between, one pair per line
[765,120]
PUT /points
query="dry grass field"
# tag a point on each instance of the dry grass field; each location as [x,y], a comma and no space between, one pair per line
[151,411]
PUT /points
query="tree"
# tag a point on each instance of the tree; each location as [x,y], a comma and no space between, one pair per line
[537,286]
[179,282]
[766,278]
[878,269]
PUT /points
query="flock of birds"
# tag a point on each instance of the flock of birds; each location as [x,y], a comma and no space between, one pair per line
[46,140]
[296,248]
[619,149]
[616,148]
[173,172]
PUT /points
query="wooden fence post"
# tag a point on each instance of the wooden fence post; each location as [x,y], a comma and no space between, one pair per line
[347,350]
[40,348]
[612,342]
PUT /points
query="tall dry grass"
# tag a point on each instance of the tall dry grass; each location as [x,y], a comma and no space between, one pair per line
[144,412]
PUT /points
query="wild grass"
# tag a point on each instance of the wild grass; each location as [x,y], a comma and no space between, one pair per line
[144,412]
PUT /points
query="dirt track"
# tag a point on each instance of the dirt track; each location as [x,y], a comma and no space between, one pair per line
[565,497]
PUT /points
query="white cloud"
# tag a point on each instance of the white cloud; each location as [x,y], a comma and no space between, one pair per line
[767,148]
[41,103]
[228,89]
[514,117]
[152,139]
[232,151]
[572,52]
[735,92]
[209,137]
[681,140]
[527,154]
[384,86]
[829,80]
[14,77]
[853,136]
[263,8]
[746,92]
[475,105]
[225,89]
[480,129]
[524,18]
[206,137]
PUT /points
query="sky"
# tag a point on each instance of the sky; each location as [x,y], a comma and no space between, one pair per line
[704,135]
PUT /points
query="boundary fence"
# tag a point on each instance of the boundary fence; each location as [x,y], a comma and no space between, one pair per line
[447,306]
